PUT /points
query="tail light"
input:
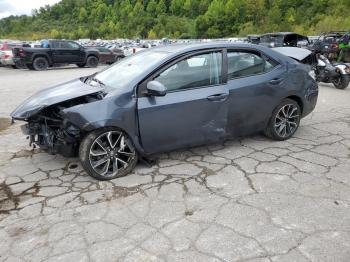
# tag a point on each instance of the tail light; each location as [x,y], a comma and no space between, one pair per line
[21,52]
[6,56]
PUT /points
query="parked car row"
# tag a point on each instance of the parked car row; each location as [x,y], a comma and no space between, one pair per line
[51,53]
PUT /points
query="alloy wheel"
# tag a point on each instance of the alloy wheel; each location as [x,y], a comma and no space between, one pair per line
[287,120]
[110,153]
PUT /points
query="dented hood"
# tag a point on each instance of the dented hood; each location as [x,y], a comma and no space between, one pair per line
[53,95]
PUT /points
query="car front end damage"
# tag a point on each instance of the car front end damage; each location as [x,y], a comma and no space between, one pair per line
[50,130]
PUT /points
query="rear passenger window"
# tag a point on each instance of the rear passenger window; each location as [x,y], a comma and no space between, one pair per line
[241,64]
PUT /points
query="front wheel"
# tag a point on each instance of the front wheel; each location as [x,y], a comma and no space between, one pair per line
[107,153]
[92,61]
[284,121]
[341,82]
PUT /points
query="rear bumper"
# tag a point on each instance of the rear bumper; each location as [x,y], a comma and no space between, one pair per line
[7,61]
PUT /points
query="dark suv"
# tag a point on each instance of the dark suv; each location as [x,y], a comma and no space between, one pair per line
[55,52]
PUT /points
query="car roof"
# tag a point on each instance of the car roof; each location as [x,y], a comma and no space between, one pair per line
[174,50]
[181,48]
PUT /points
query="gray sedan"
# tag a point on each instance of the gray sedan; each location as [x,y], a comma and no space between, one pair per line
[168,98]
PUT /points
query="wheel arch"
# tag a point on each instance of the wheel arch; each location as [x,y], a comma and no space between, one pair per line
[105,124]
[35,56]
[298,100]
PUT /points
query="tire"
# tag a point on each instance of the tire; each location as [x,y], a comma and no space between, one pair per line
[92,61]
[341,82]
[20,65]
[40,64]
[14,66]
[284,121]
[107,153]
[80,65]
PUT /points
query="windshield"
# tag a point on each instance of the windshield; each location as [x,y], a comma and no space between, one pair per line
[122,73]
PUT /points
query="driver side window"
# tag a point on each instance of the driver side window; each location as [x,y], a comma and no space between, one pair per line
[196,71]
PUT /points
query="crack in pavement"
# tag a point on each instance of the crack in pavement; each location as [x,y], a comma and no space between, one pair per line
[239,200]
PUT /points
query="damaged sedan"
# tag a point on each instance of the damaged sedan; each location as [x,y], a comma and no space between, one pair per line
[168,98]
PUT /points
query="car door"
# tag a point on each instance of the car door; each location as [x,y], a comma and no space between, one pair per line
[77,52]
[66,52]
[255,83]
[56,51]
[194,110]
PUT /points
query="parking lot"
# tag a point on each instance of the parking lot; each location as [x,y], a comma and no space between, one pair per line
[249,199]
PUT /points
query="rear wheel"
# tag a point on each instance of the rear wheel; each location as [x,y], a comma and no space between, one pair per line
[20,65]
[107,153]
[341,82]
[92,61]
[285,120]
[40,64]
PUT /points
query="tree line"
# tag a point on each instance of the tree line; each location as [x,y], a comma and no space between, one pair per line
[110,19]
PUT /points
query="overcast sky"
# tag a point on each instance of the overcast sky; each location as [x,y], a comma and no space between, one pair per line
[22,7]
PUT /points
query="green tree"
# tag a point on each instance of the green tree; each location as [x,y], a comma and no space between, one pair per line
[54,34]
[161,8]
[82,14]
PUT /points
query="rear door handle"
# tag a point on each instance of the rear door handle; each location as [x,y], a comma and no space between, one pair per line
[276,81]
[217,97]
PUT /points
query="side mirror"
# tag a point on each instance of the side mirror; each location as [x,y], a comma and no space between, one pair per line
[155,88]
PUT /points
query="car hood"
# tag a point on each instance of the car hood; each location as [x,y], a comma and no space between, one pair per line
[53,95]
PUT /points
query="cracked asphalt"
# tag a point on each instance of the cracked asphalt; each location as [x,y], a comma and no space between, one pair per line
[249,199]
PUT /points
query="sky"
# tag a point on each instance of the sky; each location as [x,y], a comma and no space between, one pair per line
[22,7]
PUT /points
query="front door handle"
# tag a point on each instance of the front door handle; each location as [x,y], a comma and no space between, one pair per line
[217,97]
[276,81]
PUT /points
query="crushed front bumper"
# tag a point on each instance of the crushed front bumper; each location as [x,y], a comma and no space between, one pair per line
[52,141]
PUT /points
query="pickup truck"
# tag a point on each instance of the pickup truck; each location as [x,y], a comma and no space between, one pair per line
[56,52]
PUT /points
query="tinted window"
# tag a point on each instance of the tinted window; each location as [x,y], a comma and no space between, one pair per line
[195,71]
[241,64]
[72,45]
[63,45]
[104,50]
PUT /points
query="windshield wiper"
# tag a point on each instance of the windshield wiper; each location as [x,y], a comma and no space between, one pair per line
[90,79]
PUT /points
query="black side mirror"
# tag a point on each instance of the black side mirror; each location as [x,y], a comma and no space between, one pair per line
[155,88]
